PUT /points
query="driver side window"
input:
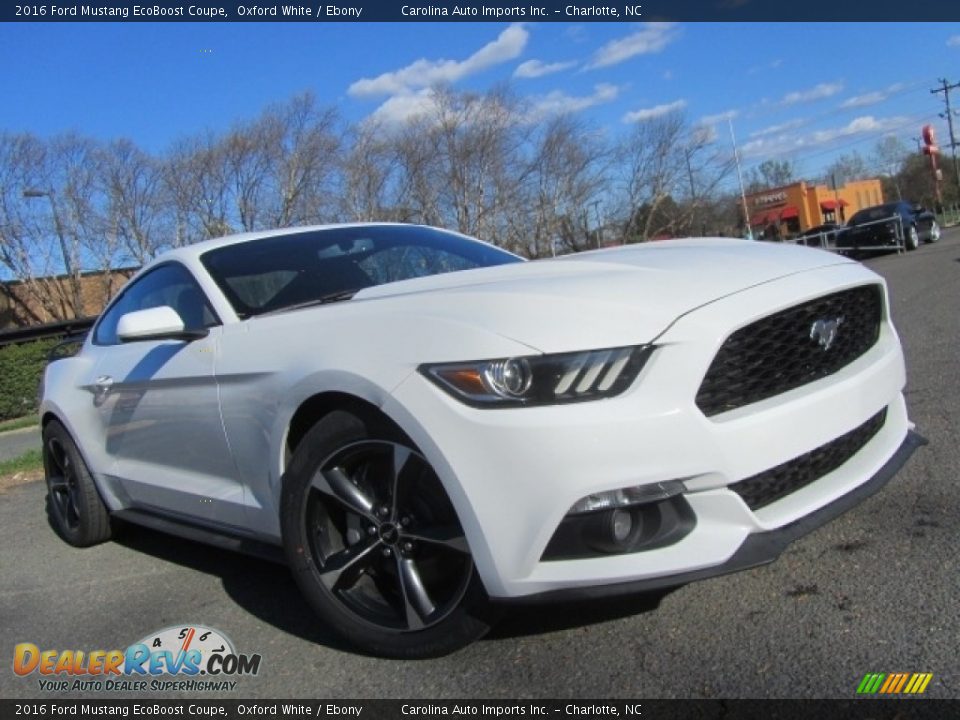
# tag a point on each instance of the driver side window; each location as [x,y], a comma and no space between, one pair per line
[171,285]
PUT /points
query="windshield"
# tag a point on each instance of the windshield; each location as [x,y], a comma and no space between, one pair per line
[274,273]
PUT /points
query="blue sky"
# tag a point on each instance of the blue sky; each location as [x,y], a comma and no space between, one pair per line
[804,92]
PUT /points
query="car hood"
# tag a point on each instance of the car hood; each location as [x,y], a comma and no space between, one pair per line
[603,298]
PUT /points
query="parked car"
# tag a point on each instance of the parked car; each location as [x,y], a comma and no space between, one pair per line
[892,225]
[822,236]
[422,425]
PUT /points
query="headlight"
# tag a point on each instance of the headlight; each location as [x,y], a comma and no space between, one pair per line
[541,379]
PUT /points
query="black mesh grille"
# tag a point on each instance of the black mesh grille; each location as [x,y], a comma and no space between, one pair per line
[771,485]
[781,352]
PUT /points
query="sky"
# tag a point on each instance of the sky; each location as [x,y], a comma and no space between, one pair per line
[800,92]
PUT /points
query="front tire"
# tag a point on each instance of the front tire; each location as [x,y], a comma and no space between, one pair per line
[74,506]
[934,233]
[375,545]
[912,239]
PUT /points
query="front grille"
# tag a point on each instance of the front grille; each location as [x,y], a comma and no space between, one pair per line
[781,351]
[776,483]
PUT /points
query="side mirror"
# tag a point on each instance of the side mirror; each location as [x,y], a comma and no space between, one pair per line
[159,323]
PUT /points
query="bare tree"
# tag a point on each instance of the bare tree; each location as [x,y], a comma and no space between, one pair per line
[418,191]
[370,167]
[568,166]
[303,142]
[479,145]
[136,214]
[195,181]
[48,219]
[771,174]
[851,166]
[651,170]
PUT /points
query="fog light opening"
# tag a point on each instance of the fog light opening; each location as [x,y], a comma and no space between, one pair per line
[622,529]
[614,531]
[621,524]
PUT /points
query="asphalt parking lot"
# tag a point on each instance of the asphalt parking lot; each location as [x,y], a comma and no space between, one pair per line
[875,591]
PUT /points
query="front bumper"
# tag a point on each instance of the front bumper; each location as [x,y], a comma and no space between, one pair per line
[513,474]
[758,549]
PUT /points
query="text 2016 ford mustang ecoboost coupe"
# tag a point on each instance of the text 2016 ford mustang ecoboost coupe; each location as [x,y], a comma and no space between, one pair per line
[424,423]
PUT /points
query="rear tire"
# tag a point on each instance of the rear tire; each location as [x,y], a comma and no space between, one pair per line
[375,545]
[934,233]
[74,506]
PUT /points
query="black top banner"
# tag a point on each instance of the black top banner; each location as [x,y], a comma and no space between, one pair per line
[481,11]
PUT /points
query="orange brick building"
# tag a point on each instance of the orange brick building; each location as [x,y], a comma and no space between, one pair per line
[48,299]
[791,209]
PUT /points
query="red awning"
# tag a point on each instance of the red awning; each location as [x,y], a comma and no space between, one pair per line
[826,205]
[789,212]
[760,219]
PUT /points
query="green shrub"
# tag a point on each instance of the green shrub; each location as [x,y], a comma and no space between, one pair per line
[21,368]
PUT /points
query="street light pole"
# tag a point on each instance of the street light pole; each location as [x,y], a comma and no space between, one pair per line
[71,268]
[743,193]
[596,211]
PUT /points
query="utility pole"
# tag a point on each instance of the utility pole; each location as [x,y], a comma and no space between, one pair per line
[945,88]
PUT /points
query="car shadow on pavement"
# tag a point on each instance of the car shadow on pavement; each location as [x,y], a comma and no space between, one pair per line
[267,591]
[524,620]
[264,589]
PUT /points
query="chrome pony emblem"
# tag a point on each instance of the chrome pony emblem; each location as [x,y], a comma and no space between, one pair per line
[825,331]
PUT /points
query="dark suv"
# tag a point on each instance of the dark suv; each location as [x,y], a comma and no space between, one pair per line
[892,225]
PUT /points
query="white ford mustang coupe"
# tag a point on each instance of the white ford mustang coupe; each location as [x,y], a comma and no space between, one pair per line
[421,424]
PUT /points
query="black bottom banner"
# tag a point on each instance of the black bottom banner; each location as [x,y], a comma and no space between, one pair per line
[873,709]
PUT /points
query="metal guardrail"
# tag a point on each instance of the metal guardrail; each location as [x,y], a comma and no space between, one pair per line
[62,328]
[901,244]
[948,218]
[827,240]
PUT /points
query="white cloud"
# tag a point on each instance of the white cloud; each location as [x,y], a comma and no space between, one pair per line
[954,41]
[719,117]
[538,68]
[424,73]
[767,143]
[404,106]
[559,103]
[872,98]
[771,146]
[818,92]
[857,126]
[777,129]
[651,38]
[654,112]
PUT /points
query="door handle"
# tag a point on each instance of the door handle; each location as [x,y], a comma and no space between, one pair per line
[103,383]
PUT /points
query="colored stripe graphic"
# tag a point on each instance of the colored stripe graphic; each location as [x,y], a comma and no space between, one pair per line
[871,683]
[894,683]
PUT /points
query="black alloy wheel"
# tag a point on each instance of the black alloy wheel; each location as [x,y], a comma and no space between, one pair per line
[385,538]
[74,505]
[376,545]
